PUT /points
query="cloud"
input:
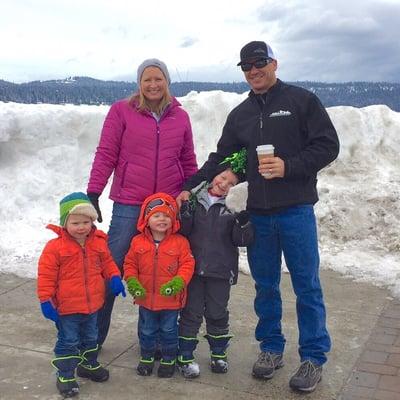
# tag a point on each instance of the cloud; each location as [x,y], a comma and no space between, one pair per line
[335,41]
[322,40]
[188,42]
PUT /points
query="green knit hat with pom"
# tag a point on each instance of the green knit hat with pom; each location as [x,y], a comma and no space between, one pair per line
[76,203]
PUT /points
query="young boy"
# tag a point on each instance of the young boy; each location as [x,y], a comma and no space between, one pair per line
[214,234]
[71,286]
[157,269]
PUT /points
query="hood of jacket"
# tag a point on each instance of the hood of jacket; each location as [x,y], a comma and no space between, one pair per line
[169,202]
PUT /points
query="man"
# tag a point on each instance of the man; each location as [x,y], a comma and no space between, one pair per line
[281,194]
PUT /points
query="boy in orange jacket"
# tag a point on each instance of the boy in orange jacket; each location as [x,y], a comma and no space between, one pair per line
[71,288]
[157,269]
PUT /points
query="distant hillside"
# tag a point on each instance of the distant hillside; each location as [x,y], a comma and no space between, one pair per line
[84,90]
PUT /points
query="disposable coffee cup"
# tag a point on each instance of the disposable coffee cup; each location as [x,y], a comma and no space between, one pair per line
[265,151]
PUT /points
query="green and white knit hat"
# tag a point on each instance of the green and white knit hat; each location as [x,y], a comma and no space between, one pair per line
[76,203]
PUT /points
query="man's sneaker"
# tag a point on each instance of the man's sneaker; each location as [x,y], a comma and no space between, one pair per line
[219,365]
[306,377]
[166,369]
[189,370]
[145,366]
[267,363]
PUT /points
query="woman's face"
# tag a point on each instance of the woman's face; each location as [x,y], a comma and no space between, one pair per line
[153,85]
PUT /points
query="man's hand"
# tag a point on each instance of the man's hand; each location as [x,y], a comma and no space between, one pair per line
[271,167]
[183,196]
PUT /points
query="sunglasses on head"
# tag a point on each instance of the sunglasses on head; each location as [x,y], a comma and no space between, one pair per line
[157,203]
[260,63]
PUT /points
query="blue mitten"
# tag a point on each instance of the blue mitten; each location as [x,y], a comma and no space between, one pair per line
[49,311]
[117,287]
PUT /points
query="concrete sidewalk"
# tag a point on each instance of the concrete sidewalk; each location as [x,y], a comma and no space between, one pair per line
[27,341]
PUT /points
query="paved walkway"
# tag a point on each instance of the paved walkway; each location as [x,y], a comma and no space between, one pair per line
[364,363]
[376,374]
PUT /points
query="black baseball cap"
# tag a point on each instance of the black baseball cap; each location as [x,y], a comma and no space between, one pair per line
[255,49]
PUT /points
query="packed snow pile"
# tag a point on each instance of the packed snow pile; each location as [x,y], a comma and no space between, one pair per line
[46,152]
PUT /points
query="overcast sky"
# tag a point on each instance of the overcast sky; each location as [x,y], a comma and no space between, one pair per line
[318,40]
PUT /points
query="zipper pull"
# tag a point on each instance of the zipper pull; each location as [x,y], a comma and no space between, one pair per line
[261,121]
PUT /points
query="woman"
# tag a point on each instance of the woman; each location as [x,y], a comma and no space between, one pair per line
[147,143]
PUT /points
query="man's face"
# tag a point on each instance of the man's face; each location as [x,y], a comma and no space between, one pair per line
[261,79]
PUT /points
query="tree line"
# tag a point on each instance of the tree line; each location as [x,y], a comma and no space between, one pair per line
[85,90]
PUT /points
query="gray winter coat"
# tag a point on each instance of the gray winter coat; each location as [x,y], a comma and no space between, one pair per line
[214,235]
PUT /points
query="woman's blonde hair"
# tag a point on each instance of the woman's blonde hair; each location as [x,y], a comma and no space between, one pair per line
[143,104]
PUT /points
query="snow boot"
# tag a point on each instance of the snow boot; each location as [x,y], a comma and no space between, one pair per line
[218,345]
[185,363]
[166,368]
[90,368]
[66,381]
[145,366]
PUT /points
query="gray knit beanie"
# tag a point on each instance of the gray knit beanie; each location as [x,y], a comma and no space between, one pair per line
[152,62]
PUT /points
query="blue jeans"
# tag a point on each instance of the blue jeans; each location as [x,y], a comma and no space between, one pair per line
[158,328]
[76,333]
[122,230]
[293,232]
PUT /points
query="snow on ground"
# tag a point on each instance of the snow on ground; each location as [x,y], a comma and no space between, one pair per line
[46,152]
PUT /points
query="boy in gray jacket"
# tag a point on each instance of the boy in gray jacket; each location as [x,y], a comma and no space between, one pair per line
[214,233]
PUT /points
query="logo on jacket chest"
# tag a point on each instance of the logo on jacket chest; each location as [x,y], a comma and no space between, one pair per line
[280,113]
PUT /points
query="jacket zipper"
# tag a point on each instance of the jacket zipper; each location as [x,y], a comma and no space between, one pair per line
[85,272]
[154,276]
[264,101]
[156,161]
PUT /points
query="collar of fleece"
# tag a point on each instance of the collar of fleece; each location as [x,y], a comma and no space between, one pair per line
[142,221]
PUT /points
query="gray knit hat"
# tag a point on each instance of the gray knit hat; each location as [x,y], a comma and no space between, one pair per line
[152,62]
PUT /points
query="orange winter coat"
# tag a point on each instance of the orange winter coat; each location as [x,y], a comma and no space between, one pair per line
[153,267]
[73,277]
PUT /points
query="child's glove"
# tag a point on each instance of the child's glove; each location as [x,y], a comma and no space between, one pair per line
[243,217]
[174,286]
[117,287]
[49,311]
[186,209]
[135,288]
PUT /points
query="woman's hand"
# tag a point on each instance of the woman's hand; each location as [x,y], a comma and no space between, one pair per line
[183,196]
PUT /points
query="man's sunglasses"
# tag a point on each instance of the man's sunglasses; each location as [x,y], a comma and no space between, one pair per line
[158,203]
[261,63]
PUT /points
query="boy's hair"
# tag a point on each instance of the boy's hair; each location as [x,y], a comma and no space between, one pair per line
[76,203]
[236,162]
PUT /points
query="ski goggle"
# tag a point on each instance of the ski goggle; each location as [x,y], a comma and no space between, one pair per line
[158,203]
[260,63]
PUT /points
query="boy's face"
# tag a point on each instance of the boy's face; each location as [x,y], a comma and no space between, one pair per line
[78,226]
[221,183]
[159,222]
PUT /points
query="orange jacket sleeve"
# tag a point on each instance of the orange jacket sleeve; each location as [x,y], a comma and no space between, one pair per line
[110,268]
[48,268]
[131,264]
